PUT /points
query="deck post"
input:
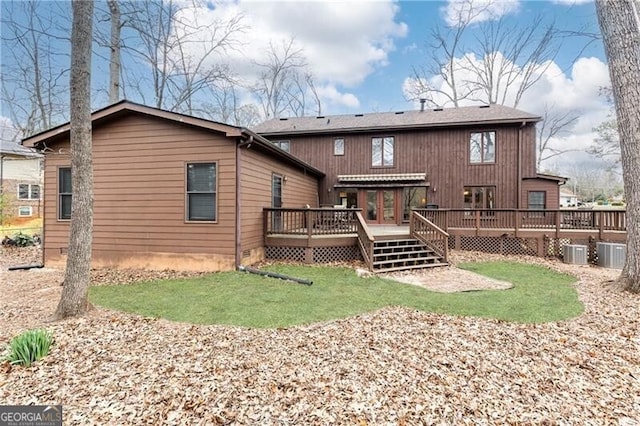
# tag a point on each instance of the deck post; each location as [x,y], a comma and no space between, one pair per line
[557,213]
[477,222]
[600,224]
[307,215]
[517,222]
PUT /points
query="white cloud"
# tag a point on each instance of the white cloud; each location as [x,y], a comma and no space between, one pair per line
[474,11]
[331,96]
[343,42]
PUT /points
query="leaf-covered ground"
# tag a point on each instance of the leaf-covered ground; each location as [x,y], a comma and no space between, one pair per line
[393,366]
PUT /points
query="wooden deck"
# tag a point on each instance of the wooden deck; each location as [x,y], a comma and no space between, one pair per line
[345,227]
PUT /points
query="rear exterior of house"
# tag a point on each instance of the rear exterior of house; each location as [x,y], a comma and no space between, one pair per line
[387,163]
[171,191]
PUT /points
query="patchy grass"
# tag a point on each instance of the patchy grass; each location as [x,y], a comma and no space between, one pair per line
[238,298]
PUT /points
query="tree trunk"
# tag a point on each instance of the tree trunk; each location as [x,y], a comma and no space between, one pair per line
[74,300]
[114,59]
[620,25]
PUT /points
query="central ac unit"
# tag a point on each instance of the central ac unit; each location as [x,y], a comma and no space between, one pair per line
[575,254]
[611,255]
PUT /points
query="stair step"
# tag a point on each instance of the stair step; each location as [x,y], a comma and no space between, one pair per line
[423,260]
[404,268]
[405,255]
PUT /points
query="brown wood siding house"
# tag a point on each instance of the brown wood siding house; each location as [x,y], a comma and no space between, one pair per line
[145,213]
[468,157]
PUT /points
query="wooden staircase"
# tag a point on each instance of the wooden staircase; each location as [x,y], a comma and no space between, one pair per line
[403,254]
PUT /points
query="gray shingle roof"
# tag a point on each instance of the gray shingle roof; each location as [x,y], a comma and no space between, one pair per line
[396,120]
[11,148]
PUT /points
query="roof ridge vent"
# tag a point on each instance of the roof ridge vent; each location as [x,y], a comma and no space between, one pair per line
[320,116]
[399,112]
[359,115]
[283,118]
[438,109]
[484,106]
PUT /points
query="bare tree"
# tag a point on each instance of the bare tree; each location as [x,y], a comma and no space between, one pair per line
[499,68]
[74,299]
[620,25]
[184,56]
[285,83]
[35,68]
[554,124]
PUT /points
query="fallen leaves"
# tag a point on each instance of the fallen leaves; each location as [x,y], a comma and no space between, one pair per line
[392,366]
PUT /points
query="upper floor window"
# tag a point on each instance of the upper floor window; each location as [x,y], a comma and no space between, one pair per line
[338,146]
[382,151]
[27,191]
[482,147]
[283,145]
[64,193]
[201,192]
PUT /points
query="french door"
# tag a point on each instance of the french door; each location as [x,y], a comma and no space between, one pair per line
[380,206]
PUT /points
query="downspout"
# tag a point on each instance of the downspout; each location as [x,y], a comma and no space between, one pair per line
[238,193]
[519,185]
[239,145]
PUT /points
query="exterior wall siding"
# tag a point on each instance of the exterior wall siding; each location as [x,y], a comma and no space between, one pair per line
[443,154]
[139,197]
[298,190]
[551,188]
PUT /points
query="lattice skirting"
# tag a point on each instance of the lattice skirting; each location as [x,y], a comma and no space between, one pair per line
[498,245]
[314,255]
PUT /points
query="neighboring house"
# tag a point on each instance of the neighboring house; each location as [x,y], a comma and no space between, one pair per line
[386,163]
[568,198]
[20,182]
[171,191]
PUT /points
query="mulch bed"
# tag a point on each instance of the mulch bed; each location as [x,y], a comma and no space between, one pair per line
[392,366]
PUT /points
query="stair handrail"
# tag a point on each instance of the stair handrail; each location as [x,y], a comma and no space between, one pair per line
[365,240]
[420,227]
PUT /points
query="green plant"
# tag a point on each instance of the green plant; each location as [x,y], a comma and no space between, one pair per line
[23,240]
[28,347]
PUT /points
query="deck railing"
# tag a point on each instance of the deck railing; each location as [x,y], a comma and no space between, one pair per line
[323,221]
[365,241]
[513,219]
[430,234]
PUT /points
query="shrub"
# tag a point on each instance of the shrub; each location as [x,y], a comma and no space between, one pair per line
[28,347]
[23,240]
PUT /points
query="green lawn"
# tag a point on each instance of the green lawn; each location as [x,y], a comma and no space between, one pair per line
[239,298]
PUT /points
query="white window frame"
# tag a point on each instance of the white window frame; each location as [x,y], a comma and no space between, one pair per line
[484,156]
[25,215]
[30,187]
[338,146]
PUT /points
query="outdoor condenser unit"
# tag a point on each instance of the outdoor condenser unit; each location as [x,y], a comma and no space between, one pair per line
[611,255]
[575,254]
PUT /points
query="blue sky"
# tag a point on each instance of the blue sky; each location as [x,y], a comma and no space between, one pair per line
[362,53]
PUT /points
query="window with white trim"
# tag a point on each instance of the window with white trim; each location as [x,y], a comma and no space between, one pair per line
[482,147]
[382,151]
[28,191]
[25,211]
[202,192]
[338,146]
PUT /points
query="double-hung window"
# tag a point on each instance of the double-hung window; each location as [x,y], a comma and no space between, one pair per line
[27,191]
[382,151]
[482,147]
[338,146]
[64,193]
[202,192]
